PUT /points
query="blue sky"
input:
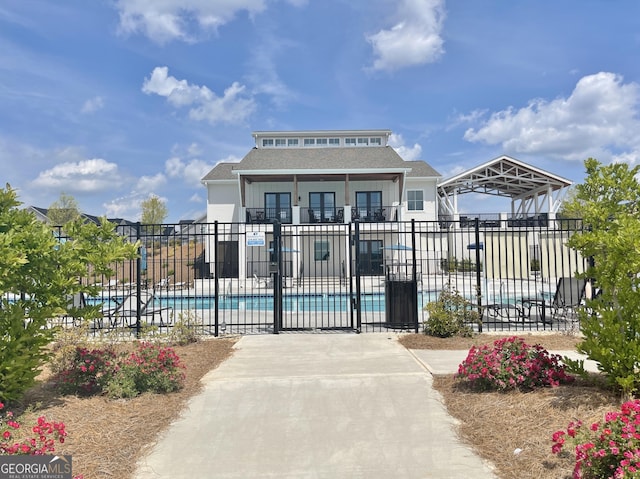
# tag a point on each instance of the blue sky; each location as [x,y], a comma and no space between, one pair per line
[115,100]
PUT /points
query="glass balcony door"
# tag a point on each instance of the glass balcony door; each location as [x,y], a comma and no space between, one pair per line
[278,206]
[367,204]
[322,206]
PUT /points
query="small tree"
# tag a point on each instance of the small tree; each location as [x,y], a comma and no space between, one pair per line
[38,275]
[610,202]
[63,210]
[154,212]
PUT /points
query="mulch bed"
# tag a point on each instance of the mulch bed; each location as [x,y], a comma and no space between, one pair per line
[107,437]
[497,424]
[512,430]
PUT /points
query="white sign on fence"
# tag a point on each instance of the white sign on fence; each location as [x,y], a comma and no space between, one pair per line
[255,238]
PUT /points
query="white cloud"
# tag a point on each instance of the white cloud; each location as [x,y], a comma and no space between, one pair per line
[150,184]
[415,39]
[599,119]
[469,118]
[194,149]
[196,198]
[186,20]
[233,107]
[129,206]
[407,153]
[263,75]
[93,104]
[190,171]
[85,176]
[121,208]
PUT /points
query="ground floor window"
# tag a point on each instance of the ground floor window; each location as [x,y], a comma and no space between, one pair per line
[321,250]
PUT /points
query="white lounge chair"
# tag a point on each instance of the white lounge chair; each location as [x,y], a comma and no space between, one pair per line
[261,282]
[126,313]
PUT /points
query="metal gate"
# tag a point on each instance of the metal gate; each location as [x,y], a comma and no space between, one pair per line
[345,280]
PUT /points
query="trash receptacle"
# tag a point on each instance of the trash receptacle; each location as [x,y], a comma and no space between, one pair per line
[401,303]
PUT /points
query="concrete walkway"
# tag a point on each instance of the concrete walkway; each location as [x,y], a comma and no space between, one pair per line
[315,406]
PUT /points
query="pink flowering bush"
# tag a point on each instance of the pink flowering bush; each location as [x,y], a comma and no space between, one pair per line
[88,371]
[45,435]
[149,368]
[610,449]
[511,364]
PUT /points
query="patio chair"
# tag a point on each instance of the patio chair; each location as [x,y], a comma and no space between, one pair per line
[378,215]
[505,311]
[569,295]
[126,313]
[261,282]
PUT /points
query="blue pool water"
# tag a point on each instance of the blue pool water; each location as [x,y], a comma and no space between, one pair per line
[374,302]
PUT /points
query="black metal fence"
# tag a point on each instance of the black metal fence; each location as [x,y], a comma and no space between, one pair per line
[364,276]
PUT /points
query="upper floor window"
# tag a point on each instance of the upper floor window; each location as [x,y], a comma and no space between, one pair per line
[363,141]
[280,142]
[309,141]
[349,141]
[334,141]
[375,141]
[292,142]
[267,142]
[415,200]
[321,141]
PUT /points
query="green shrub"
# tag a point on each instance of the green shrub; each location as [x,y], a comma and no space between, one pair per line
[609,201]
[185,330]
[122,385]
[38,273]
[22,351]
[450,315]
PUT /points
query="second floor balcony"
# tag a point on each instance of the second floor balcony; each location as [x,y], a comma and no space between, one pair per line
[268,215]
[336,215]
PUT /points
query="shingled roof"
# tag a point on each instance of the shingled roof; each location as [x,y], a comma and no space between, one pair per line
[333,160]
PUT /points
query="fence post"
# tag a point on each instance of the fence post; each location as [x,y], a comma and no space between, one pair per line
[415,270]
[478,272]
[138,281]
[277,276]
[216,288]
[356,300]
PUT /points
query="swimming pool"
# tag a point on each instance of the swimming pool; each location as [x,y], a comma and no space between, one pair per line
[374,302]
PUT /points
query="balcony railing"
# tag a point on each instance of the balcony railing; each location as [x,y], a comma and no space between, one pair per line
[375,215]
[268,215]
[495,221]
[322,215]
